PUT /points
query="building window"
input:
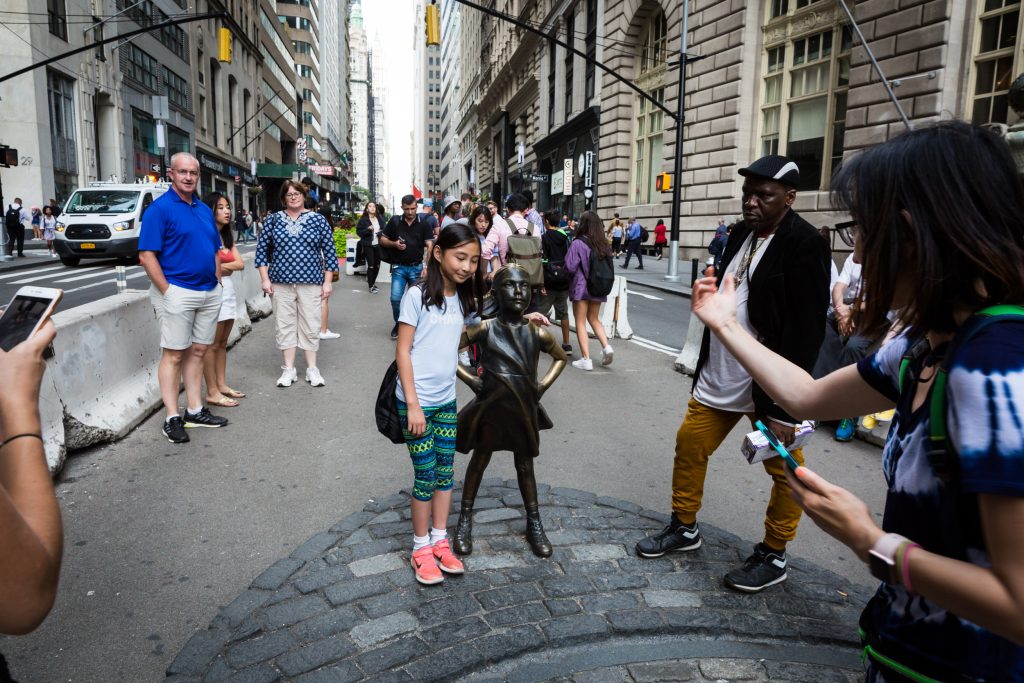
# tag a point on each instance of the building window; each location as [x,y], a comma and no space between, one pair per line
[655,44]
[647,150]
[781,7]
[551,86]
[141,67]
[590,81]
[803,110]
[570,31]
[60,93]
[996,49]
[177,89]
[57,15]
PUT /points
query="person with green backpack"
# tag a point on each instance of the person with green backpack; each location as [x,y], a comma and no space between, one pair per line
[940,216]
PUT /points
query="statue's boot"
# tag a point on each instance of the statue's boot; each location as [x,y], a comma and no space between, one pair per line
[463,539]
[535,535]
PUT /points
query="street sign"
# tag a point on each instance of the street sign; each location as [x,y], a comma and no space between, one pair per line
[161,110]
[556,182]
[155,168]
[588,170]
[540,177]
[567,177]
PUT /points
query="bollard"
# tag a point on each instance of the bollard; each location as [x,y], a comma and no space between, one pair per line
[694,265]
[122,279]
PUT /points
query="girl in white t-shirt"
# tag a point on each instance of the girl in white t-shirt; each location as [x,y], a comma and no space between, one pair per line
[430,323]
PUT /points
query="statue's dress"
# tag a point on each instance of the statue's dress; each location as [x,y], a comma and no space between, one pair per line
[506,415]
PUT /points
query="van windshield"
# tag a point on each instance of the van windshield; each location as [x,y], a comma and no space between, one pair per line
[103,201]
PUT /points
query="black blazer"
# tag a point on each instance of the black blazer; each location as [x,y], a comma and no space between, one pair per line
[364,229]
[788,299]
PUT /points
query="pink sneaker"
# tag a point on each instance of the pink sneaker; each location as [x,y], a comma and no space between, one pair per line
[446,558]
[425,567]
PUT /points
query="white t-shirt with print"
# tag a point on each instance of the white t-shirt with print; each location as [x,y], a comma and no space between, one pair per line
[850,276]
[435,347]
[723,382]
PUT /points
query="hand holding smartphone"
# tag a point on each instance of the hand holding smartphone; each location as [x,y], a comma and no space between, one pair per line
[30,308]
[777,445]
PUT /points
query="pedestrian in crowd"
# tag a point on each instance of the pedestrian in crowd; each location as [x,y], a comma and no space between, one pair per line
[56,208]
[410,240]
[660,237]
[467,204]
[32,541]
[555,243]
[49,229]
[312,199]
[215,361]
[615,233]
[780,265]
[517,205]
[564,222]
[296,258]
[433,313]
[249,226]
[492,206]
[717,246]
[37,217]
[533,216]
[589,236]
[482,221]
[368,228]
[325,302]
[15,219]
[427,216]
[939,219]
[178,248]
[495,245]
[633,240]
[452,210]
[240,227]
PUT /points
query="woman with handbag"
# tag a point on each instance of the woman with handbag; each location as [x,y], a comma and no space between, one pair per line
[215,361]
[368,228]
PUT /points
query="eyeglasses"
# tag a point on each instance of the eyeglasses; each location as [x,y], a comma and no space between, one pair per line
[847,232]
[190,174]
[293,195]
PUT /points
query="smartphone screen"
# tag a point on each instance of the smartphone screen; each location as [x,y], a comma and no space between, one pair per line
[777,445]
[20,318]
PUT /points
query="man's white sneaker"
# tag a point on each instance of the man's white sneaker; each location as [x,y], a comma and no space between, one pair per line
[314,377]
[287,377]
[607,354]
[583,364]
[329,335]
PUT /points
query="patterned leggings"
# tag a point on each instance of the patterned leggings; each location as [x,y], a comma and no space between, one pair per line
[433,454]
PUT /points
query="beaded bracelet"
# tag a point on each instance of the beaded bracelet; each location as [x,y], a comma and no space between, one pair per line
[20,436]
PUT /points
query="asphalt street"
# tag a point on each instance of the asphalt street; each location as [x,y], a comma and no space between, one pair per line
[158,537]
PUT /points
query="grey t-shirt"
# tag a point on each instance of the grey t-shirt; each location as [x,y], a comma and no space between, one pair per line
[435,347]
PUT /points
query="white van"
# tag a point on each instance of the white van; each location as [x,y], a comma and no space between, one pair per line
[103,220]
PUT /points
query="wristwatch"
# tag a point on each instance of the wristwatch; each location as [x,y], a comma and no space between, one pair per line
[882,557]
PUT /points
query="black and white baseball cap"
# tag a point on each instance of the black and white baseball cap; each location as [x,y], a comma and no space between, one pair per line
[774,167]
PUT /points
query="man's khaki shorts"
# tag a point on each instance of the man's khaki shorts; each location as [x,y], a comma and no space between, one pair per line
[186,316]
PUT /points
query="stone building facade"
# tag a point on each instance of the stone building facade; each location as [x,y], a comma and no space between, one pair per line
[773,76]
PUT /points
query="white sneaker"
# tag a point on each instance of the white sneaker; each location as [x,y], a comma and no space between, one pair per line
[583,364]
[464,358]
[607,355]
[329,335]
[287,377]
[314,377]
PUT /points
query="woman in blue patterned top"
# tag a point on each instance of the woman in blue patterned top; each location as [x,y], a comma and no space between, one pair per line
[940,212]
[296,256]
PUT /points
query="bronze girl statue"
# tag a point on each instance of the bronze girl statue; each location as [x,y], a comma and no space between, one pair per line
[506,414]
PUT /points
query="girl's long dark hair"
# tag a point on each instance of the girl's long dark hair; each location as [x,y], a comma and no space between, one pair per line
[961,245]
[226,235]
[470,292]
[366,213]
[481,210]
[592,228]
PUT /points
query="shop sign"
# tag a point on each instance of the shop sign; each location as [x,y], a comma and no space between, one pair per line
[212,164]
[322,170]
[567,176]
[556,182]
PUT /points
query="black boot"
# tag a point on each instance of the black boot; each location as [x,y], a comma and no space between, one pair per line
[535,535]
[462,542]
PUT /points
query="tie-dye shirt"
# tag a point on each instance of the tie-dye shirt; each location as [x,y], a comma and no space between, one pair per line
[985,405]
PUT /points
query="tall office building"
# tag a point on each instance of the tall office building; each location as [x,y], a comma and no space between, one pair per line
[336,140]
[448,105]
[379,187]
[426,113]
[359,83]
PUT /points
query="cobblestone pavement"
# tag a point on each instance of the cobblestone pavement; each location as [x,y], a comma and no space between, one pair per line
[344,606]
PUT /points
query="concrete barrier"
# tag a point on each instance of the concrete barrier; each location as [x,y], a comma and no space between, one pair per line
[613,314]
[686,361]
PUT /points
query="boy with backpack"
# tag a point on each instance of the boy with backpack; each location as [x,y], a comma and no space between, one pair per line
[555,245]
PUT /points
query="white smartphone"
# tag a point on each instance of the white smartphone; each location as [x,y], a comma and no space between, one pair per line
[28,310]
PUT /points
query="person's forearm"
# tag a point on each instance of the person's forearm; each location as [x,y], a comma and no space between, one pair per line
[152,267]
[264,277]
[838,292]
[385,241]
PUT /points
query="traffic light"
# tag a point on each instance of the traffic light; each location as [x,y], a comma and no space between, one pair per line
[224,45]
[8,157]
[433,25]
[663,183]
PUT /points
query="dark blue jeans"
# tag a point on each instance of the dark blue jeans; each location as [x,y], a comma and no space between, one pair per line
[401,278]
[633,247]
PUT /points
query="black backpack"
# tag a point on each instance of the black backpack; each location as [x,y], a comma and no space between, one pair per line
[601,276]
[555,245]
[12,219]
[643,234]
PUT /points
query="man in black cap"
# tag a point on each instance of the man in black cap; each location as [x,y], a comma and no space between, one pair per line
[781,268]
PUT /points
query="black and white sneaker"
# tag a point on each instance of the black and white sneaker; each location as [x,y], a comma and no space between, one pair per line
[675,537]
[394,331]
[204,418]
[174,430]
[374,289]
[766,567]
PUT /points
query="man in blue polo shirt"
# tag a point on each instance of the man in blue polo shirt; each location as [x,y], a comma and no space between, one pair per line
[633,244]
[178,246]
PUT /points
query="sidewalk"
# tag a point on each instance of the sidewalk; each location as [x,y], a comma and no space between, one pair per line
[654,272]
[35,255]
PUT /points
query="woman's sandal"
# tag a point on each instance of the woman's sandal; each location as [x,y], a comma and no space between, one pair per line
[233,393]
[223,402]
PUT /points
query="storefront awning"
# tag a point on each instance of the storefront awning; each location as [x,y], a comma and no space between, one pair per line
[278,170]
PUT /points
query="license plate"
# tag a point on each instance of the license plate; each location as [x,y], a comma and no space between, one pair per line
[86,245]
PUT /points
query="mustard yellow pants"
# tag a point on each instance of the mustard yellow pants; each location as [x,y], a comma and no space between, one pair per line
[701,433]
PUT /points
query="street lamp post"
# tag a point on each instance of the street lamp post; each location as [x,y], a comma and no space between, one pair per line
[677,167]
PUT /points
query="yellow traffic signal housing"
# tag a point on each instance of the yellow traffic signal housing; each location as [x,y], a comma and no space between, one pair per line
[224,45]
[663,183]
[433,25]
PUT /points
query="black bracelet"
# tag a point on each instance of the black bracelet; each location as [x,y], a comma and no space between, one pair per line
[20,436]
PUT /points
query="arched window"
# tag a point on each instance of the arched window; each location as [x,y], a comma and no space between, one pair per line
[647,120]
[997,60]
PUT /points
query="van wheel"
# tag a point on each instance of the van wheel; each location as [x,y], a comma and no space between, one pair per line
[130,260]
[69,261]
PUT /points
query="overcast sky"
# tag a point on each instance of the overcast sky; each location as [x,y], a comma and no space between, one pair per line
[390,25]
